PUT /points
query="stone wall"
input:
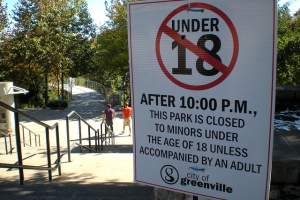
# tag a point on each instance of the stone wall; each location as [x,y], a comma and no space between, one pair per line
[277,192]
[287,96]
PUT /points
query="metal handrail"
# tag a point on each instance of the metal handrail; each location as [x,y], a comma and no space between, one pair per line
[27,116]
[96,86]
[5,135]
[80,119]
[20,165]
[86,147]
[4,165]
[111,135]
[29,134]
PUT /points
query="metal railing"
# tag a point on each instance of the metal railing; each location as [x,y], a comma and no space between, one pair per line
[5,136]
[28,142]
[37,138]
[100,139]
[89,128]
[108,137]
[98,87]
[19,164]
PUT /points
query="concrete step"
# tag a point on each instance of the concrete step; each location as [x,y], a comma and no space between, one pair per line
[76,190]
[86,168]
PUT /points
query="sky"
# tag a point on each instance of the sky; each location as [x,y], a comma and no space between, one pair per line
[294,5]
[97,8]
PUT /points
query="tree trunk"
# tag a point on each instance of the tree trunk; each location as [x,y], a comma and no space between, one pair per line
[62,86]
[46,89]
[58,87]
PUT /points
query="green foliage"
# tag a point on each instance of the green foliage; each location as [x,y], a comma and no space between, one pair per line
[55,101]
[111,49]
[80,81]
[50,40]
[3,36]
[288,47]
[57,104]
[3,16]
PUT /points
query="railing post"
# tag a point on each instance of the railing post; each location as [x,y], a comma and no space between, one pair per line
[113,138]
[68,139]
[10,146]
[5,144]
[29,137]
[89,132]
[48,154]
[98,139]
[23,136]
[96,147]
[35,140]
[80,140]
[101,137]
[58,150]
[19,148]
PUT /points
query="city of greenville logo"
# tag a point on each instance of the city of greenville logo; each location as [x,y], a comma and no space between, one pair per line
[169,174]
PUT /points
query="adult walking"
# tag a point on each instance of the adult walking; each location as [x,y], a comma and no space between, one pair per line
[126,111]
[109,115]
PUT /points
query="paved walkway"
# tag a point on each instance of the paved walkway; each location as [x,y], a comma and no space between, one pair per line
[106,175]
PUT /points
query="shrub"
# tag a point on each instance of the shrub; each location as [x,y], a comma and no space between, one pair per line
[57,104]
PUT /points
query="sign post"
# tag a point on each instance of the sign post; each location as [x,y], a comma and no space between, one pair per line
[203,83]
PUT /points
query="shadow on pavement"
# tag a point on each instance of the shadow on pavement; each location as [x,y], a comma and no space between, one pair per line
[41,189]
[107,149]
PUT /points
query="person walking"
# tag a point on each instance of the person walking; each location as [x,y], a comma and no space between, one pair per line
[126,111]
[109,115]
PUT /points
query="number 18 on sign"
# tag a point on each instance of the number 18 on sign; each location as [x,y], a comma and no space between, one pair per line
[202,82]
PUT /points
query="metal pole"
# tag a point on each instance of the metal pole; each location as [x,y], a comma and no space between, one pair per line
[48,154]
[19,148]
[58,150]
[96,141]
[89,132]
[23,136]
[10,146]
[101,138]
[80,140]
[5,144]
[68,139]
[29,137]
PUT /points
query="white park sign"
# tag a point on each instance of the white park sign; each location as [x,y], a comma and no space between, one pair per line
[202,84]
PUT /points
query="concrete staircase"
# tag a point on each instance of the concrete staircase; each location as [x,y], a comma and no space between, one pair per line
[107,175]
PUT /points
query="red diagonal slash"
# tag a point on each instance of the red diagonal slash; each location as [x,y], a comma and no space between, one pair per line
[195,49]
[223,69]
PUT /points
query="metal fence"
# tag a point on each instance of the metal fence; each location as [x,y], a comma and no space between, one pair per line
[20,164]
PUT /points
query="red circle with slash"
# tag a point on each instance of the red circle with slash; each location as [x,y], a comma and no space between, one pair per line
[225,70]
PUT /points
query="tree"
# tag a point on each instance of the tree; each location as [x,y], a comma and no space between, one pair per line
[49,39]
[3,16]
[3,36]
[111,48]
[288,47]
